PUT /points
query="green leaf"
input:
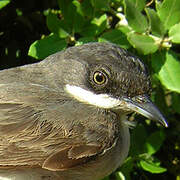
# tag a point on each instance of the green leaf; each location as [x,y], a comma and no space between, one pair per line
[63,6]
[138,138]
[79,8]
[89,30]
[154,142]
[169,12]
[157,61]
[139,4]
[134,17]
[169,73]
[87,8]
[127,167]
[124,29]
[156,25]
[152,167]
[3,3]
[174,33]
[40,49]
[69,8]
[175,102]
[99,4]
[143,43]
[120,176]
[19,12]
[101,22]
[56,26]
[115,36]
[158,5]
[73,14]
[95,27]
[84,40]
[159,98]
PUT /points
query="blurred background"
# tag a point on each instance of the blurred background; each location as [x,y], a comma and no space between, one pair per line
[32,30]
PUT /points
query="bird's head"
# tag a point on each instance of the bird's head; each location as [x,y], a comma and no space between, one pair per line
[107,76]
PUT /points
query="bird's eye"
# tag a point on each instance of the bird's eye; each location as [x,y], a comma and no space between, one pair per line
[99,78]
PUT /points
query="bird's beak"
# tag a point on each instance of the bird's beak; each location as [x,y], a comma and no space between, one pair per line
[144,106]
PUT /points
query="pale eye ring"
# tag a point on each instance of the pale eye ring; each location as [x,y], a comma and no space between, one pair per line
[99,78]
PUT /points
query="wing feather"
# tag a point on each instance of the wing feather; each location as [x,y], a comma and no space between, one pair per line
[39,125]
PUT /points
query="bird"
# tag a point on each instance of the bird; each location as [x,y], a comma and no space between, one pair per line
[66,117]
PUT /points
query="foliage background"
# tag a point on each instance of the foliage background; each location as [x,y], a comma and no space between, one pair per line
[32,30]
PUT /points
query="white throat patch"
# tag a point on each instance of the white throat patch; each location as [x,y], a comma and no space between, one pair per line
[88,97]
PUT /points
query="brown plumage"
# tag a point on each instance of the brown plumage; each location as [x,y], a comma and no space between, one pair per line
[46,132]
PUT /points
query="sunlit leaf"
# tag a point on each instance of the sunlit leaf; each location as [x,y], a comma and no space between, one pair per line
[169,73]
[158,4]
[47,46]
[3,3]
[156,25]
[169,12]
[174,33]
[135,18]
[101,22]
[143,43]
[115,36]
[120,176]
[152,167]
[56,26]
[167,66]
[95,27]
[139,4]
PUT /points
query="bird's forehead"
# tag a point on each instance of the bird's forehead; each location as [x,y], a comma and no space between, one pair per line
[107,54]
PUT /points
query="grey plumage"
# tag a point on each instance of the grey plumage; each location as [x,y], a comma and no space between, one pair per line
[46,133]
